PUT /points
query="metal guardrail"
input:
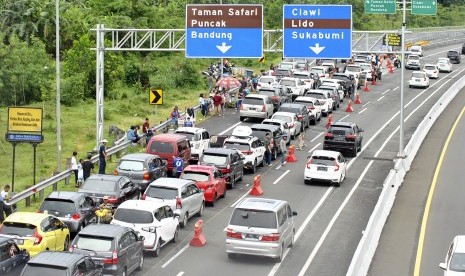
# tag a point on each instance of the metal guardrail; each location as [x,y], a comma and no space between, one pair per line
[67,173]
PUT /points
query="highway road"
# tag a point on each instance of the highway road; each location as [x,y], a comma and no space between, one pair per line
[330,220]
[401,251]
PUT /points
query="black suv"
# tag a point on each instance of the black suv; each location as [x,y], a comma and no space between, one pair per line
[118,249]
[278,94]
[260,131]
[61,263]
[228,161]
[12,259]
[454,56]
[344,136]
[300,110]
[348,79]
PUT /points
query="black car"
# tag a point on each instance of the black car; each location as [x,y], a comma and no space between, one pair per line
[344,136]
[73,208]
[118,188]
[278,94]
[141,168]
[454,56]
[228,161]
[12,259]
[62,264]
[347,78]
[300,110]
[260,131]
[120,250]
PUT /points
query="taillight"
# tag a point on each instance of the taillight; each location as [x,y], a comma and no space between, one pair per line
[309,163]
[115,172]
[143,196]
[310,107]
[113,200]
[113,260]
[271,237]
[76,216]
[146,176]
[263,108]
[38,238]
[329,135]
[336,165]
[178,203]
[232,234]
[247,152]
[350,137]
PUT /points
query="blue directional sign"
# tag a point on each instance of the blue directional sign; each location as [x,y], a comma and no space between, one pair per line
[18,138]
[229,31]
[317,31]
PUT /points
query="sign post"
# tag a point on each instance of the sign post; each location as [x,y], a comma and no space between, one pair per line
[218,31]
[380,6]
[424,7]
[317,31]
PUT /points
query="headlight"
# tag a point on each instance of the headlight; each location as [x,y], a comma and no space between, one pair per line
[197,146]
[150,229]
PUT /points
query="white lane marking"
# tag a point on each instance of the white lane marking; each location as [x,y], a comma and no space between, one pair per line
[380,98]
[303,226]
[175,256]
[231,127]
[395,88]
[316,137]
[344,117]
[365,104]
[240,199]
[316,146]
[284,174]
[361,111]
[180,273]
[385,91]
[277,168]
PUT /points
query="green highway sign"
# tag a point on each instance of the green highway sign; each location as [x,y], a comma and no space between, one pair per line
[380,6]
[424,7]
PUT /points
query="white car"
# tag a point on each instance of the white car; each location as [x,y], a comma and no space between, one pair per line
[366,68]
[296,85]
[454,263]
[306,77]
[155,221]
[326,166]
[267,81]
[431,70]
[282,125]
[292,121]
[353,68]
[336,83]
[199,138]
[444,65]
[325,99]
[416,50]
[313,106]
[252,148]
[256,106]
[413,62]
[321,71]
[419,79]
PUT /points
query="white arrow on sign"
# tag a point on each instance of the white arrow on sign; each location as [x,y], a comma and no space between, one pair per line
[223,48]
[317,49]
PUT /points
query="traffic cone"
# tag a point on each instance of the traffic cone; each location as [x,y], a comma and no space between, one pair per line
[198,239]
[257,188]
[291,157]
[330,121]
[366,87]
[349,107]
[373,81]
[357,99]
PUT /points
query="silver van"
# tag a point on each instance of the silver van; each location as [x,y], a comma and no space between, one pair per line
[260,227]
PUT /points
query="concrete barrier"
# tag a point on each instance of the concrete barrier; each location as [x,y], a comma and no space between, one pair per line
[367,246]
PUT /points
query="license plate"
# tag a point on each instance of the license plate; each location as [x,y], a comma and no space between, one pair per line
[19,242]
[322,169]
[252,108]
[417,79]
[252,236]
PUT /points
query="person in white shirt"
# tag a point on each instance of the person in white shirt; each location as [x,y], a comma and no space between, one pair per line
[74,167]
[80,174]
[4,206]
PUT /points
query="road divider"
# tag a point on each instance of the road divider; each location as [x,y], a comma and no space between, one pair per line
[257,188]
[349,107]
[291,157]
[199,239]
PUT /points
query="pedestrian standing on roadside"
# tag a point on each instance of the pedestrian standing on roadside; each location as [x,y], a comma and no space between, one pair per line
[174,117]
[188,122]
[4,206]
[282,146]
[217,103]
[145,130]
[178,165]
[102,156]
[223,102]
[202,105]
[87,167]
[266,143]
[80,174]
[301,140]
[74,166]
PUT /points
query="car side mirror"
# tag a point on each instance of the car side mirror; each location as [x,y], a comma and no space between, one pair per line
[140,238]
[294,213]
[443,266]
[176,215]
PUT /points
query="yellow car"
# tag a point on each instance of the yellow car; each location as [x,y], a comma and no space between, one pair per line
[36,232]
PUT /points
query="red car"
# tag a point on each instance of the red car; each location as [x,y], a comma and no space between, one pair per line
[209,179]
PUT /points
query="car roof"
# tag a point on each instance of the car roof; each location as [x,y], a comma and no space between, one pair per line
[430,64]
[170,182]
[168,137]
[139,156]
[27,217]
[55,258]
[329,153]
[422,72]
[190,129]
[66,195]
[343,124]
[142,205]
[256,96]
[341,75]
[264,126]
[459,243]
[291,105]
[200,168]
[284,113]
[274,120]
[266,204]
[305,99]
[105,177]
[288,78]
[103,230]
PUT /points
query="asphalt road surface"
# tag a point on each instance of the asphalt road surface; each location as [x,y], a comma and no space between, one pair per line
[330,220]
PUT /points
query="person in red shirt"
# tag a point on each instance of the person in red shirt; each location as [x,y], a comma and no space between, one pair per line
[217,102]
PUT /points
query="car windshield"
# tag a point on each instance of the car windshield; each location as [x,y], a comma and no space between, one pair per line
[286,119]
[133,216]
[301,76]
[17,228]
[453,53]
[269,93]
[260,133]
[323,160]
[290,83]
[266,80]
[341,130]
[34,270]
[280,71]
[93,243]
[428,67]
[289,109]
[161,192]
[286,66]
[131,165]
[62,206]
[353,68]
[215,159]
[365,67]
[316,95]
[253,218]
[418,75]
[307,104]
[162,147]
[253,101]
[190,136]
[100,185]
[300,65]
[196,176]
[238,146]
[317,71]
[457,262]
[414,58]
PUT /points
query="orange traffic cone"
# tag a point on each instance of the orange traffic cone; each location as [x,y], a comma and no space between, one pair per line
[330,121]
[349,107]
[199,238]
[291,157]
[357,99]
[366,87]
[373,81]
[257,188]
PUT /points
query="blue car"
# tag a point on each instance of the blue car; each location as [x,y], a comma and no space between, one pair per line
[12,259]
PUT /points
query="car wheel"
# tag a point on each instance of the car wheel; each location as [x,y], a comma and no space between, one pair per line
[280,257]
[66,244]
[253,170]
[262,164]
[158,249]
[232,255]
[175,236]
[200,212]
[184,220]
[141,262]
[354,152]
[359,147]
[334,107]
[241,118]
[215,198]
[291,244]
[409,86]
[338,183]
[224,194]
[232,182]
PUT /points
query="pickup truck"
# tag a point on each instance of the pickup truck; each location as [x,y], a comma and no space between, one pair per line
[199,138]
[297,86]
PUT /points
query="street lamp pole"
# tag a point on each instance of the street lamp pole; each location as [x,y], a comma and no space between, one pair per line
[58,109]
[401,127]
